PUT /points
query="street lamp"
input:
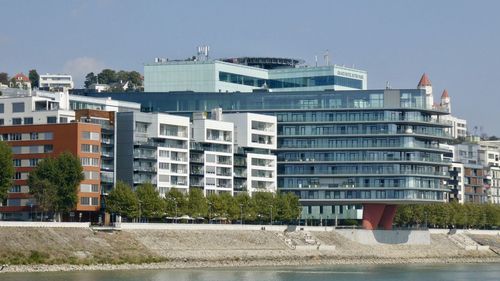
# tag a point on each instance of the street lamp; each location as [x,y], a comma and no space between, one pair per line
[175,202]
[271,214]
[241,211]
[209,212]
[140,210]
[31,210]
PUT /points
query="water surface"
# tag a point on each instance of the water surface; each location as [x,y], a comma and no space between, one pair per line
[451,272]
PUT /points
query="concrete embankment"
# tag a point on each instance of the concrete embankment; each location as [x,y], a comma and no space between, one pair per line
[49,248]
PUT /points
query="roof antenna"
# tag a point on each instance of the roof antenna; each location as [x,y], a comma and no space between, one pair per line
[326,56]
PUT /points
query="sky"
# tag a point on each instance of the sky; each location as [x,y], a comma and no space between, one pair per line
[457,43]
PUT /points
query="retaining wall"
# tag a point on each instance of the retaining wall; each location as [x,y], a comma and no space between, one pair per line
[44,224]
[378,237]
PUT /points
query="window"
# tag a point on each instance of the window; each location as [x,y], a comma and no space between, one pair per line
[51,119]
[15,189]
[17,162]
[33,162]
[163,166]
[85,201]
[89,187]
[95,201]
[17,175]
[163,153]
[17,121]
[90,161]
[48,148]
[91,175]
[28,120]
[89,148]
[33,136]
[1,122]
[17,107]
[1,108]
[90,136]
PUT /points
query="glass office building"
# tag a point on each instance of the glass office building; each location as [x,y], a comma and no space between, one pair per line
[340,150]
[232,75]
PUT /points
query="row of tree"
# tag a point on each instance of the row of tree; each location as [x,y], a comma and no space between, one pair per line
[146,203]
[109,76]
[452,215]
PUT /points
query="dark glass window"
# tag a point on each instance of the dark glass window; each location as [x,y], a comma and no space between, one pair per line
[28,120]
[51,119]
[18,107]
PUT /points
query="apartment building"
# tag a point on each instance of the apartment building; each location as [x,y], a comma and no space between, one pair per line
[32,143]
[29,110]
[255,161]
[56,82]
[212,147]
[154,148]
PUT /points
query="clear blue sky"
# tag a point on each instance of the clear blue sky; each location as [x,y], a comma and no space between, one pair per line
[456,42]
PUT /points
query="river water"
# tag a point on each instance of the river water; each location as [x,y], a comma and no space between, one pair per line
[452,272]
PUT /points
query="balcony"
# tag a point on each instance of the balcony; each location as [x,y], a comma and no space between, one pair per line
[143,168]
[196,159]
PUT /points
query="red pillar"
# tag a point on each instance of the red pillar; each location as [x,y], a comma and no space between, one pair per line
[388,217]
[371,215]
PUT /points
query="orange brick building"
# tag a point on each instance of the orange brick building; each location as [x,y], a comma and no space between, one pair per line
[31,143]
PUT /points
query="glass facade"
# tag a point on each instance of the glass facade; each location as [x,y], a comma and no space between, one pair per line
[295,82]
[340,147]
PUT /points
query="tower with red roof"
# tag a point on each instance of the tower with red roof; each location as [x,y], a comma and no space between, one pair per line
[425,84]
[445,101]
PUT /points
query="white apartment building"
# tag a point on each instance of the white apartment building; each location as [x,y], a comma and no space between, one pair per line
[489,155]
[153,147]
[28,110]
[458,127]
[56,82]
[254,163]
[212,153]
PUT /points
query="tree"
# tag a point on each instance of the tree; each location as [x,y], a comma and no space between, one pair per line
[176,203]
[150,203]
[34,78]
[63,175]
[45,194]
[123,201]
[264,205]
[197,203]
[90,79]
[288,206]
[107,76]
[4,78]
[7,170]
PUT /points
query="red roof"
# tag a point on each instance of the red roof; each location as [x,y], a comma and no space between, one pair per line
[445,94]
[21,77]
[424,81]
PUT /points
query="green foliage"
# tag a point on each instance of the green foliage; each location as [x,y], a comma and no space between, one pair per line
[176,203]
[4,78]
[90,79]
[55,182]
[150,203]
[197,203]
[122,200]
[449,215]
[34,78]
[109,76]
[7,170]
